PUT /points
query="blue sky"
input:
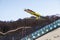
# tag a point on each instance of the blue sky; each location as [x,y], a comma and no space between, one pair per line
[14,9]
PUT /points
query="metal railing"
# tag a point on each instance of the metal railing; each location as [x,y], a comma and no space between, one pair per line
[43,31]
